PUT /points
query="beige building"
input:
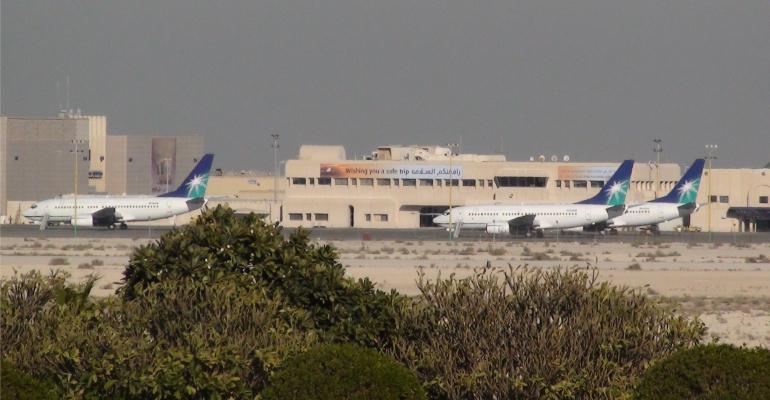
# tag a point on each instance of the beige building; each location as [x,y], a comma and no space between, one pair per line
[404,187]
[737,201]
[149,164]
[41,158]
[97,143]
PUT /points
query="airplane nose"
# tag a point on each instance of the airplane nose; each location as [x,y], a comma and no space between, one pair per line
[441,220]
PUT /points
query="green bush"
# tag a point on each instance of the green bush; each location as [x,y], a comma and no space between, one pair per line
[709,372]
[248,250]
[178,339]
[343,372]
[552,333]
[20,386]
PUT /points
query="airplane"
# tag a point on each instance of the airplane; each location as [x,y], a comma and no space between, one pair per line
[108,211]
[512,219]
[679,202]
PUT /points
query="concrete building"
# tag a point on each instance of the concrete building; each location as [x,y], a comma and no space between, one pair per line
[41,158]
[149,164]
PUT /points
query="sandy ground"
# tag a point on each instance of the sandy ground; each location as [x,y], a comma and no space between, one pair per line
[726,285]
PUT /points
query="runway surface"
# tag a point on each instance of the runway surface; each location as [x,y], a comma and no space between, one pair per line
[426,234]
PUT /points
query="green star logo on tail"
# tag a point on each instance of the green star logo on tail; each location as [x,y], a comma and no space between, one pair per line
[617,193]
[196,187]
[688,192]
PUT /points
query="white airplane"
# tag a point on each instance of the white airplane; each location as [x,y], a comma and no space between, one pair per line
[678,203]
[111,210]
[512,219]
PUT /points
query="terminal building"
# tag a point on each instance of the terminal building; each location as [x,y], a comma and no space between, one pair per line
[406,186]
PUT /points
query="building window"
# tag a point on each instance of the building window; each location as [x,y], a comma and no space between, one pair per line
[368,217]
[367,181]
[481,182]
[713,199]
[307,216]
[383,182]
[298,181]
[381,217]
[130,159]
[15,158]
[321,217]
[410,182]
[469,182]
[579,184]
[341,181]
[395,182]
[521,181]
[489,182]
[453,182]
[762,199]
[295,216]
[312,181]
[426,182]
[324,181]
[558,183]
[353,181]
[724,199]
[597,184]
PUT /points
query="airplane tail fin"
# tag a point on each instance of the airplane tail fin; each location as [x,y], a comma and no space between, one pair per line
[686,190]
[194,186]
[613,193]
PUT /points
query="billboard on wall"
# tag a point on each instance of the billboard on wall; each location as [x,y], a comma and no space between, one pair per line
[595,173]
[398,171]
[163,167]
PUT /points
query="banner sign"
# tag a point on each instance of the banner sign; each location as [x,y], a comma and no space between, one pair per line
[163,166]
[569,172]
[398,171]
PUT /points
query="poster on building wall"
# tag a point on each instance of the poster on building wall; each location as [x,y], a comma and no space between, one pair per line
[398,171]
[598,173]
[163,167]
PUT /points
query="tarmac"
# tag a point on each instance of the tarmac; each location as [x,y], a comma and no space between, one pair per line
[425,234]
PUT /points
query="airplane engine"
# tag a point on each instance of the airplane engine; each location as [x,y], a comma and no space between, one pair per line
[85,221]
[498,229]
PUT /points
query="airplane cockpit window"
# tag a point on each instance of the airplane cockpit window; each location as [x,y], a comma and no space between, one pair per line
[446,212]
[34,206]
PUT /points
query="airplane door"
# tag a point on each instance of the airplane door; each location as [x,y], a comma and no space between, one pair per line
[588,216]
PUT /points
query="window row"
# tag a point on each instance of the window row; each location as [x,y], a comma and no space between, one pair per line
[308,217]
[113,206]
[391,182]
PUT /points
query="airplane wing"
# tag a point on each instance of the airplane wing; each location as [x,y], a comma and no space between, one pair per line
[523,224]
[107,216]
[615,211]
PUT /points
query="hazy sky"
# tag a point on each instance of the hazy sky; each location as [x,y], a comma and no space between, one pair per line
[596,79]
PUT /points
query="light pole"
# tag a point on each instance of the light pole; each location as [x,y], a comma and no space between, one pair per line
[710,150]
[658,149]
[275,170]
[452,147]
[75,209]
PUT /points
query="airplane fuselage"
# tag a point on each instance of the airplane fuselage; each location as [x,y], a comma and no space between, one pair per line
[649,214]
[546,216]
[127,208]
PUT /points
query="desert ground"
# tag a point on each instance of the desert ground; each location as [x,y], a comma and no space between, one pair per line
[726,284]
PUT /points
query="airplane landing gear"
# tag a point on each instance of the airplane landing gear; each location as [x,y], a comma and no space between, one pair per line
[539,233]
[123,226]
[111,227]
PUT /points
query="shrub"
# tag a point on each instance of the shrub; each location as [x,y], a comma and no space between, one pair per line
[247,250]
[343,371]
[177,340]
[634,267]
[535,334]
[709,372]
[15,384]
[58,261]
